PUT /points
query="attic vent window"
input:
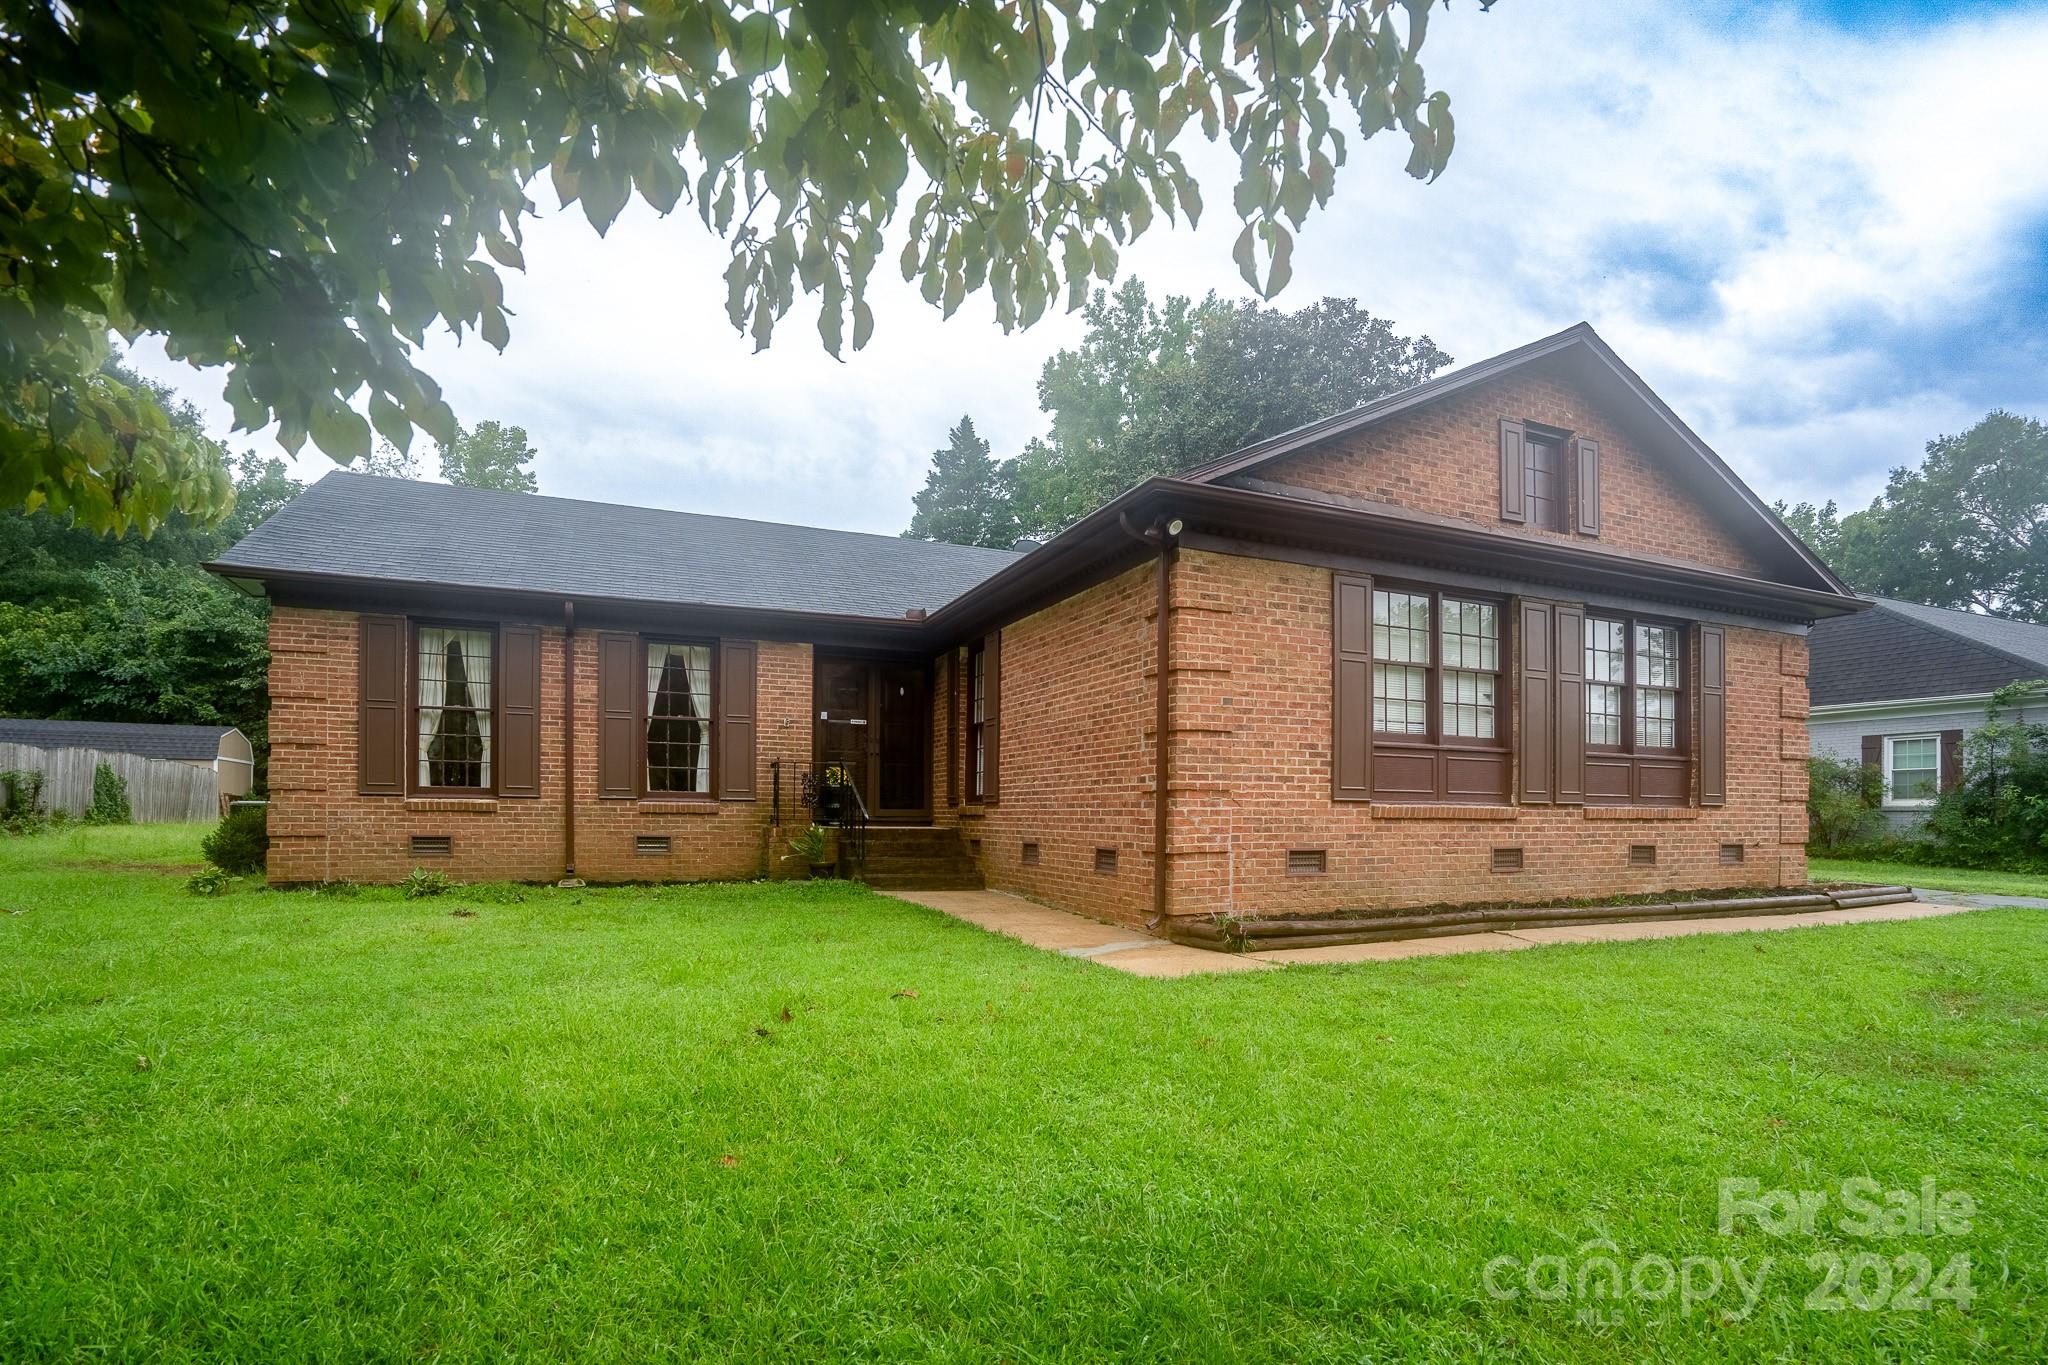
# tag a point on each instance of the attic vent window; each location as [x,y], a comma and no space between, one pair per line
[1307,862]
[432,845]
[1731,853]
[1105,861]
[651,844]
[1028,854]
[1507,860]
[1642,855]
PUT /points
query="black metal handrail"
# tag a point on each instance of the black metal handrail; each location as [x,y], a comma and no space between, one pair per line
[830,801]
[857,826]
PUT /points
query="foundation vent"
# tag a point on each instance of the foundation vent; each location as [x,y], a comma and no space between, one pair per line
[432,845]
[1642,855]
[652,844]
[1307,862]
[1105,861]
[1507,860]
[1731,853]
[1028,854]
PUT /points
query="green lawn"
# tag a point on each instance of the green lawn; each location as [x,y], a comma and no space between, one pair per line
[1964,879]
[813,1122]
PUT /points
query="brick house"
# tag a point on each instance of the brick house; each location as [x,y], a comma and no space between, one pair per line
[1515,632]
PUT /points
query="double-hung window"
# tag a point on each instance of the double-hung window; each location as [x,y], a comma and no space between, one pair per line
[1912,769]
[1438,697]
[452,681]
[679,718]
[1635,710]
[977,722]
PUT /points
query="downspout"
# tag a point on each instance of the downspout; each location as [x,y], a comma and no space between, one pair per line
[1160,535]
[569,745]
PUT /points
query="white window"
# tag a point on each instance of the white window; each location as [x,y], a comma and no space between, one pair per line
[1912,769]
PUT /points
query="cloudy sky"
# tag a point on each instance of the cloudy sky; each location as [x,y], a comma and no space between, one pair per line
[1820,230]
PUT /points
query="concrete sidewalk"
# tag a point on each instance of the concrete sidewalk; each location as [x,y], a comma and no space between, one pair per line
[1131,950]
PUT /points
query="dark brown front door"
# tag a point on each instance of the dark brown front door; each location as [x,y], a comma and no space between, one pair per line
[874,726]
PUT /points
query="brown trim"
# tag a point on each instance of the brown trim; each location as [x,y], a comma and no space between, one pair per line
[618,660]
[735,710]
[1644,764]
[1514,471]
[518,703]
[1568,728]
[1713,704]
[568,741]
[992,721]
[1536,632]
[1950,775]
[1162,743]
[412,705]
[1585,459]
[952,657]
[1350,687]
[1447,752]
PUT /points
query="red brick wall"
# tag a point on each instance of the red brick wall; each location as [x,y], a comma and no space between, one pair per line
[1445,459]
[1077,710]
[321,830]
[1251,714]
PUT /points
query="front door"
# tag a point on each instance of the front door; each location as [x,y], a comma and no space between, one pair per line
[874,726]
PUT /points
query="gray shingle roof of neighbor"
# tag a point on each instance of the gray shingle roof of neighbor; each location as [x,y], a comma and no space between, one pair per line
[196,742]
[1900,650]
[397,530]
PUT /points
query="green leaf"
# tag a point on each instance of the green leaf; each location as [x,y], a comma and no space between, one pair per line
[728,116]
[341,432]
[757,48]
[1244,254]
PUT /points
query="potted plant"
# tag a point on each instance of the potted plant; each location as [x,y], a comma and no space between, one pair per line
[810,846]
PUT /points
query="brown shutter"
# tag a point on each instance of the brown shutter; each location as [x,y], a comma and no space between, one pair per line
[1536,650]
[1514,495]
[1873,751]
[619,684]
[952,695]
[1951,759]
[380,706]
[992,719]
[1713,739]
[1570,670]
[1351,687]
[519,711]
[1586,471]
[736,780]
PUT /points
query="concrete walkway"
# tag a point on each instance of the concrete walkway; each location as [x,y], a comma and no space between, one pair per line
[1133,951]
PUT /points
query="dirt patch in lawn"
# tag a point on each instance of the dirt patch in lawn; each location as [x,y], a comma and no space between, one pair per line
[175,869]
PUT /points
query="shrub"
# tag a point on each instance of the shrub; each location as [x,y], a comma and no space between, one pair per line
[1997,815]
[21,801]
[109,798]
[1841,804]
[420,883]
[240,842]
[210,881]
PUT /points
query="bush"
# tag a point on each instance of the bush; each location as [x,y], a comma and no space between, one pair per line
[109,798]
[21,801]
[1997,815]
[240,842]
[211,881]
[420,883]
[1841,804]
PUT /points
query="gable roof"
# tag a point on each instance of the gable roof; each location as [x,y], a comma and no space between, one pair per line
[1744,512]
[1902,650]
[356,526]
[195,742]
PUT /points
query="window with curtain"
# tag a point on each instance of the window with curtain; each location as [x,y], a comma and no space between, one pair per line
[678,717]
[452,703]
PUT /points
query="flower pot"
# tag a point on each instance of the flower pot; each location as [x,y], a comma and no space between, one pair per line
[820,871]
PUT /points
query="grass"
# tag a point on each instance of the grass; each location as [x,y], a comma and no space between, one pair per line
[808,1121]
[1968,880]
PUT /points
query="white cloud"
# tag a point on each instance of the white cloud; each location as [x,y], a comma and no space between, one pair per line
[1772,222]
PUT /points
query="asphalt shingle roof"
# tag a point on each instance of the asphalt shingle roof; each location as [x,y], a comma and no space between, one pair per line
[359,526]
[196,742]
[1898,650]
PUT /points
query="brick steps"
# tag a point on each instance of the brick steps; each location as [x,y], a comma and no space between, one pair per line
[918,859]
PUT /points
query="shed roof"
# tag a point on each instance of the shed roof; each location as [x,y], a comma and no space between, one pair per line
[194,742]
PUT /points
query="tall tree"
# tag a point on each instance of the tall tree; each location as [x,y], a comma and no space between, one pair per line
[490,455]
[1967,529]
[963,501]
[1161,388]
[300,192]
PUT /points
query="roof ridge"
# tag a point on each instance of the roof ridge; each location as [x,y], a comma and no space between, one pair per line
[461,490]
[1889,605]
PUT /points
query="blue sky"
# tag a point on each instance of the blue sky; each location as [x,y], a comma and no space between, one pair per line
[1819,230]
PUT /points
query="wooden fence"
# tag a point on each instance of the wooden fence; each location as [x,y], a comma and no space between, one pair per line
[160,790]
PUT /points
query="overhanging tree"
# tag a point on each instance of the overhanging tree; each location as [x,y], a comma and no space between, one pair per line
[300,191]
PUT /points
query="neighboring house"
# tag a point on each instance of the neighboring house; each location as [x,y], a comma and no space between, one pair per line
[1515,633]
[158,762]
[1900,686]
